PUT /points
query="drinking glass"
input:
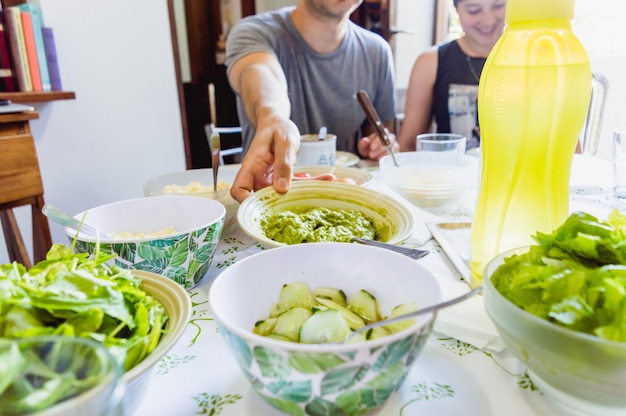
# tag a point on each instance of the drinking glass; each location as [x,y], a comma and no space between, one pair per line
[441,147]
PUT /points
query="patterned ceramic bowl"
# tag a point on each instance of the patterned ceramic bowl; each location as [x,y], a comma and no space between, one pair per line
[174,236]
[313,379]
[199,182]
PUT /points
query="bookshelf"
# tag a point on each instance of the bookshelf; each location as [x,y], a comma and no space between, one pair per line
[37,97]
[33,97]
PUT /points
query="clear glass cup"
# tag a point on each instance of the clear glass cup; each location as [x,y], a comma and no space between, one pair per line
[441,147]
[70,376]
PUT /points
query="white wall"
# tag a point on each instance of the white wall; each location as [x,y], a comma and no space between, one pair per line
[124,126]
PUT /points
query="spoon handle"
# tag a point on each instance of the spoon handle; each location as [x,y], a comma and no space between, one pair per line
[60,217]
[422,311]
[375,121]
[413,253]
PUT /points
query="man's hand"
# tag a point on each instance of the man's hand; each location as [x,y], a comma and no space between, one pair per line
[270,159]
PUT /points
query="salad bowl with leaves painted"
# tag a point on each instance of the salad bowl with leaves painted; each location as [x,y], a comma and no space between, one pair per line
[174,236]
[309,367]
[47,310]
[560,307]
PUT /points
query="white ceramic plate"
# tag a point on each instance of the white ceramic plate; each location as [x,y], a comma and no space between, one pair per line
[346,159]
[361,177]
[383,210]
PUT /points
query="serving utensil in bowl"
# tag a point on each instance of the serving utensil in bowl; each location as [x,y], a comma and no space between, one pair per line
[429,309]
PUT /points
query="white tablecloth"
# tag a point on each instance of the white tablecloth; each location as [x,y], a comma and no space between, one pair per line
[460,371]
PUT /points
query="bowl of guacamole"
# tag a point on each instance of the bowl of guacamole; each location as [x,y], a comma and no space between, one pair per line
[319,211]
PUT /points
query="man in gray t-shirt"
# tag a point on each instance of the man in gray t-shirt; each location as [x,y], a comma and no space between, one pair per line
[297,69]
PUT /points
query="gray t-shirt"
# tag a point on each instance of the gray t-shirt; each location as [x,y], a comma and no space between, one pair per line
[322,87]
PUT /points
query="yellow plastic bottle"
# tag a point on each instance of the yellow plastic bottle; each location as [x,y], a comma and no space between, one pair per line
[533,98]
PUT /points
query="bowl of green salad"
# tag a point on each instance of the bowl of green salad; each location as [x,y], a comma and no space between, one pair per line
[58,376]
[286,315]
[136,315]
[560,307]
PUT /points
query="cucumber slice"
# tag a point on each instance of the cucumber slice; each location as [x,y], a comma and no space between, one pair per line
[377,332]
[354,321]
[336,295]
[288,323]
[292,295]
[364,304]
[264,327]
[324,326]
[401,310]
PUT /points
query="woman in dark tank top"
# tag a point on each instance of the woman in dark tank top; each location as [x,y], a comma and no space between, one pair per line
[443,85]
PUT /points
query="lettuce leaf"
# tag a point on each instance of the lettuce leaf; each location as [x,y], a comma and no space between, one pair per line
[574,277]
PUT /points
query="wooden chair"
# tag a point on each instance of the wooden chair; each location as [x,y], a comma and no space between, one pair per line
[21,185]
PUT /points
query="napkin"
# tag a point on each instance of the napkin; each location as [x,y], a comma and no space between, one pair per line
[466,321]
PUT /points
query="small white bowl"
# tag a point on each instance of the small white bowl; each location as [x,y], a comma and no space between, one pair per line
[324,373]
[428,184]
[183,256]
[386,213]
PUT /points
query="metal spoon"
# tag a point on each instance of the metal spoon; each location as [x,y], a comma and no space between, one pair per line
[60,217]
[322,133]
[375,121]
[413,253]
[422,311]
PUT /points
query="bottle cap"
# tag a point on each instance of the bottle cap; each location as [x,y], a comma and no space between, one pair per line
[519,10]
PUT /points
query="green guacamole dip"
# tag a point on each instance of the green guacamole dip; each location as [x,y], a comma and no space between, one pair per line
[316,225]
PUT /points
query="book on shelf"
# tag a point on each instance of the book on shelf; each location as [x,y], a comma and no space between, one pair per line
[17,45]
[51,57]
[37,24]
[8,80]
[31,51]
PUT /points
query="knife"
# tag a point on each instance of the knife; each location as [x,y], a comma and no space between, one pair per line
[214,140]
[214,144]
[375,121]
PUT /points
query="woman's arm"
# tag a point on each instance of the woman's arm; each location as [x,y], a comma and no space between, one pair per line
[419,100]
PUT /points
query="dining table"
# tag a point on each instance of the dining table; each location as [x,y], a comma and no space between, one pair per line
[464,367]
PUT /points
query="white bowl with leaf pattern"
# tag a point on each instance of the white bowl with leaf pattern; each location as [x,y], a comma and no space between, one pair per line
[301,379]
[173,236]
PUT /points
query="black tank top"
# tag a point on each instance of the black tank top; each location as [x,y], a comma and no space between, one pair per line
[455,93]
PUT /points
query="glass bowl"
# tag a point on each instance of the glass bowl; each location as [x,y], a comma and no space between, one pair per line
[580,372]
[58,375]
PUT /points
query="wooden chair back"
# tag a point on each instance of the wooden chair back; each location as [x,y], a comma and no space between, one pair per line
[21,185]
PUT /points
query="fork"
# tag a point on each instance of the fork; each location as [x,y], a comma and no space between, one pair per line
[413,253]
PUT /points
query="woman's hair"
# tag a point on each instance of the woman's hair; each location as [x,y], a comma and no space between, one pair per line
[455,2]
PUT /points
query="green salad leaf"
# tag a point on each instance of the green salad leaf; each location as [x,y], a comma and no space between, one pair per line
[77,295]
[574,277]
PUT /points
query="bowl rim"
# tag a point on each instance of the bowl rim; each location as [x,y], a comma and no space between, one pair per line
[301,187]
[361,175]
[228,175]
[175,326]
[71,232]
[490,290]
[422,322]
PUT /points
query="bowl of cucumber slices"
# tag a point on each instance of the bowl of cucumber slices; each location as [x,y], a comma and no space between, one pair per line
[286,315]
